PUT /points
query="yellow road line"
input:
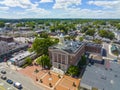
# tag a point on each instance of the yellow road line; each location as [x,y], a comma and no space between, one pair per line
[2,88]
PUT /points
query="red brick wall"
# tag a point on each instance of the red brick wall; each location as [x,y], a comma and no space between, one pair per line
[93,49]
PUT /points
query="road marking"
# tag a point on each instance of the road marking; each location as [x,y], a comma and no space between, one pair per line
[1,84]
[2,88]
[9,84]
[10,88]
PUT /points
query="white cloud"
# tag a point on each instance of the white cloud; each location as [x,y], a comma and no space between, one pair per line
[46,1]
[27,5]
[106,4]
[37,10]
[89,13]
[64,4]
[16,3]
[4,8]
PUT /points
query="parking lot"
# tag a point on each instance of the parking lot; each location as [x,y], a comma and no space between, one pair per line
[5,86]
[15,76]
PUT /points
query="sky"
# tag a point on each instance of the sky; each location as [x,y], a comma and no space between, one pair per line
[60,9]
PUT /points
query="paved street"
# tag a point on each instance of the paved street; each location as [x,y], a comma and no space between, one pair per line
[26,82]
[106,51]
[6,86]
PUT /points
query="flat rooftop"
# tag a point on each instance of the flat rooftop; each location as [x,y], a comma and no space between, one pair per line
[93,44]
[21,56]
[101,78]
[5,37]
[69,46]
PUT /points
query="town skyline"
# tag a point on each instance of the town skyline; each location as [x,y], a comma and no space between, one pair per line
[97,9]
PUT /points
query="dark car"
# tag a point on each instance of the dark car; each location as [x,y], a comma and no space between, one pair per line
[3,72]
[3,77]
[9,81]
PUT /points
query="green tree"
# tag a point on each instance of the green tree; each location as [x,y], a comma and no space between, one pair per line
[84,29]
[44,35]
[30,24]
[41,45]
[47,24]
[20,24]
[73,70]
[44,61]
[97,41]
[2,24]
[28,60]
[52,29]
[90,32]
[81,38]
[106,34]
[83,61]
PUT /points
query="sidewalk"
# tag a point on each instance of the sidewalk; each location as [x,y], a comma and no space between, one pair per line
[110,52]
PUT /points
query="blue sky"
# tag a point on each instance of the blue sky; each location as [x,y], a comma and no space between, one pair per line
[59,9]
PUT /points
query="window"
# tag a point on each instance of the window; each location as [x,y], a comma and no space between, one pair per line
[63,59]
[55,57]
[59,58]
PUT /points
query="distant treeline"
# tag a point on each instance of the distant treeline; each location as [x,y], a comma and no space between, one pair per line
[53,20]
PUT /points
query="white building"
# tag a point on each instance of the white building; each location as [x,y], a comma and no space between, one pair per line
[117,35]
[19,59]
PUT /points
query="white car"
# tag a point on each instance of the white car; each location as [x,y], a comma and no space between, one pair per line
[18,85]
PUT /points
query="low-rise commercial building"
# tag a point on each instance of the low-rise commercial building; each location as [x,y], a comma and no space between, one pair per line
[4,48]
[6,38]
[101,77]
[7,49]
[19,59]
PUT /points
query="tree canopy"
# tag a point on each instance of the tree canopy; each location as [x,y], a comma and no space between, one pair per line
[90,32]
[81,38]
[82,62]
[2,24]
[84,29]
[41,45]
[44,60]
[73,70]
[28,61]
[106,34]
[44,35]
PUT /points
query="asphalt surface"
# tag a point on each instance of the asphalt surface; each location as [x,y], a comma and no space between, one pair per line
[5,86]
[106,51]
[15,76]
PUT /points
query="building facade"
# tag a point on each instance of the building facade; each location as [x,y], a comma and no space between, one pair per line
[6,39]
[4,48]
[67,53]
[93,48]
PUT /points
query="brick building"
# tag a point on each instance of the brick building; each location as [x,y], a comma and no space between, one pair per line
[68,53]
[6,39]
[93,48]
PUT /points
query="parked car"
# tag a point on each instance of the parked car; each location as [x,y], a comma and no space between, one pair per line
[3,72]
[9,81]
[18,85]
[3,77]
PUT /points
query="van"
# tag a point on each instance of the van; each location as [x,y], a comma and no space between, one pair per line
[18,85]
